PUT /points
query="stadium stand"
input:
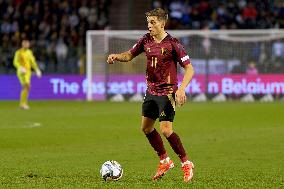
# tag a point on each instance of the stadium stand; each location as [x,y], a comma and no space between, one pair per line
[226,14]
[58,28]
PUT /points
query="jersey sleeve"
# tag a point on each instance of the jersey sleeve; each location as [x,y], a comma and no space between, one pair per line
[138,48]
[17,59]
[32,60]
[181,56]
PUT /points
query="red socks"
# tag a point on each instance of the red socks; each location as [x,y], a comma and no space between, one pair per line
[175,142]
[157,143]
[177,146]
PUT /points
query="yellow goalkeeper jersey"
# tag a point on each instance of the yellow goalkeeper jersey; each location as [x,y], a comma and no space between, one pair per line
[25,58]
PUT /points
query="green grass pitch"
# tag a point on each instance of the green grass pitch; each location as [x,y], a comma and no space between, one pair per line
[62,144]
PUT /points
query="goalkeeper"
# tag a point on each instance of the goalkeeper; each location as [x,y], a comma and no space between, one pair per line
[24,61]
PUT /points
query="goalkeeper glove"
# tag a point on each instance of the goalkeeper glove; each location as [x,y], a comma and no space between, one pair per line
[23,70]
[38,73]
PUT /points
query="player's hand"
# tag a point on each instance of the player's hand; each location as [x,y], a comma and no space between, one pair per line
[38,73]
[180,97]
[23,70]
[111,58]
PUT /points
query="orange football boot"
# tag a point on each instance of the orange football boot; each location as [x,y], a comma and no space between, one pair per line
[163,168]
[187,169]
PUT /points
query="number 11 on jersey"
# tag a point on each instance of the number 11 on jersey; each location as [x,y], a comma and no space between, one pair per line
[154,61]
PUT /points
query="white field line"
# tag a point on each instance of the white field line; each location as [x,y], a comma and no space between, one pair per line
[33,125]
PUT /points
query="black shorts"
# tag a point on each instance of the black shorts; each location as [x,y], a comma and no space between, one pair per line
[162,107]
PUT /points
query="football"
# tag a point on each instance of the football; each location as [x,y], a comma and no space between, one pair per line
[111,170]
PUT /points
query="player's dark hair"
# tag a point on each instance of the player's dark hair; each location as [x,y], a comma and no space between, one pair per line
[25,38]
[159,12]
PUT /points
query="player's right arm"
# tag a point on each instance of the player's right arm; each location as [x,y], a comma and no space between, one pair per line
[122,57]
[127,56]
[17,62]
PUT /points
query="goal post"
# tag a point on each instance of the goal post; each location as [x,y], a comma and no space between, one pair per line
[212,53]
[96,54]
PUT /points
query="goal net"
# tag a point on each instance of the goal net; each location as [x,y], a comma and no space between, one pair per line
[214,54]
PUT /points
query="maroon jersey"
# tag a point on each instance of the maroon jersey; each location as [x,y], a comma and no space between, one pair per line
[162,59]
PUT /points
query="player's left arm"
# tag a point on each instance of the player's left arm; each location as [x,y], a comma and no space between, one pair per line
[34,64]
[184,61]
[180,93]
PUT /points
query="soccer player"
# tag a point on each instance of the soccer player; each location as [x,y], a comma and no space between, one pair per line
[24,61]
[163,52]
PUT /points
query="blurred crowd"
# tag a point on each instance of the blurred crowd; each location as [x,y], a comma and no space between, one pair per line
[232,14]
[56,28]
[223,14]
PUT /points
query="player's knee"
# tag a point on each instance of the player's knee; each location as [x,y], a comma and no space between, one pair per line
[26,87]
[166,130]
[146,130]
